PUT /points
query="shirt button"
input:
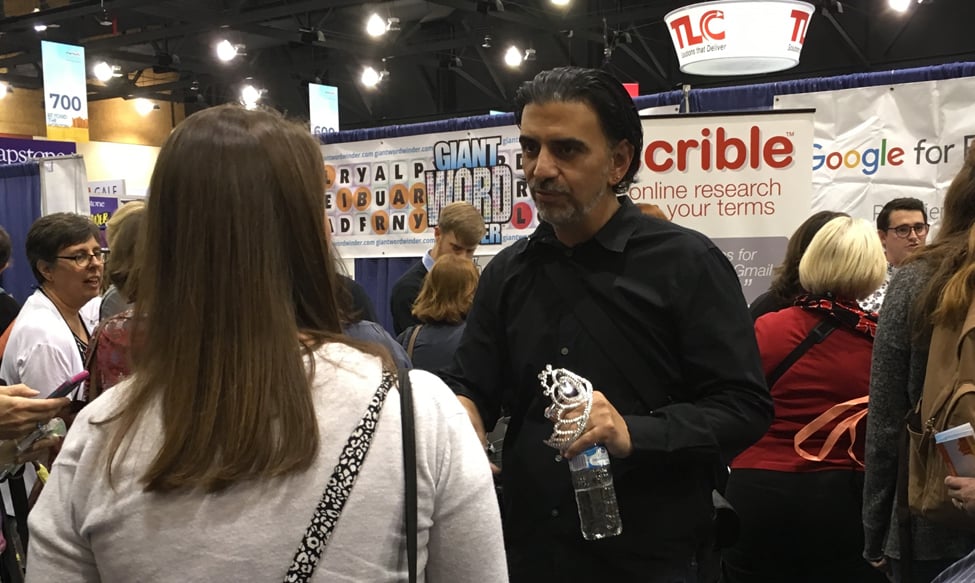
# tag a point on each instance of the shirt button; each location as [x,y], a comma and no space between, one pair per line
[564,351]
[555,512]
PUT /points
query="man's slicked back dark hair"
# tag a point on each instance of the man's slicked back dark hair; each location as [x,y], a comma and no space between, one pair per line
[600,90]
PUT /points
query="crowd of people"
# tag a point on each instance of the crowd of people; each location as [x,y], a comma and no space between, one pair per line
[247,419]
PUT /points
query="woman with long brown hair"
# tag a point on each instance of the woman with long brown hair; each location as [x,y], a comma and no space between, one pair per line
[211,462]
[919,296]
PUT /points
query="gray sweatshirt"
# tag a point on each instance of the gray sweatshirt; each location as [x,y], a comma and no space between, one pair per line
[82,530]
[896,381]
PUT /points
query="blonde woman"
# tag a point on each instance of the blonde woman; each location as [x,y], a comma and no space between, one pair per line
[815,497]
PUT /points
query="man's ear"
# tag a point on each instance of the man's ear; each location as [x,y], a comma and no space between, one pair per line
[621,157]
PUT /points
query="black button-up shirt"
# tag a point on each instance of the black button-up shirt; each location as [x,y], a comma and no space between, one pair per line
[673,294]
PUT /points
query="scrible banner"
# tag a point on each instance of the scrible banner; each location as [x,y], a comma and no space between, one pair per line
[873,144]
[740,179]
[65,91]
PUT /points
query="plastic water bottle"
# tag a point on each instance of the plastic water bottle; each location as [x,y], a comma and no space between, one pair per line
[599,516]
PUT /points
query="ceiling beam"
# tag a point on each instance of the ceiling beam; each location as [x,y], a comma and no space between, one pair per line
[850,43]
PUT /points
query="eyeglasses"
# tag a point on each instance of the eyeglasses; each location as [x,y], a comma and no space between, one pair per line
[904,231]
[85,259]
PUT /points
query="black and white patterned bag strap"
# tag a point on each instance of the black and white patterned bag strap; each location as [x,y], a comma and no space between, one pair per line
[338,488]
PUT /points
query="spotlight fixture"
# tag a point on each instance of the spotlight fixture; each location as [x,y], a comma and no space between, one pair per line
[561,2]
[371,78]
[529,54]
[311,35]
[226,51]
[104,18]
[899,5]
[144,107]
[486,43]
[39,27]
[250,95]
[513,57]
[103,71]
[375,26]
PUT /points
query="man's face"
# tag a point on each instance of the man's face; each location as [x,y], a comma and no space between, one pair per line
[899,248]
[447,243]
[569,164]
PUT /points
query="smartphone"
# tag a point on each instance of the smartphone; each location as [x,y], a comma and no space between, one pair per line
[68,386]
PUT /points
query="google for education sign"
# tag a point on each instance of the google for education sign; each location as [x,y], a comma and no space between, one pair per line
[739,37]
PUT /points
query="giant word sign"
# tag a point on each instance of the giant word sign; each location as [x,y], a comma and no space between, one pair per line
[384,198]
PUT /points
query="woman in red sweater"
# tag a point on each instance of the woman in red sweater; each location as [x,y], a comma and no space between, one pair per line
[799,503]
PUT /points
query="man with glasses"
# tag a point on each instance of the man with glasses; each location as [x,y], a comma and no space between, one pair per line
[903,228]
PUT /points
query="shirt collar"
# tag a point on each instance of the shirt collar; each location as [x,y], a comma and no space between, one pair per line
[613,236]
[428,260]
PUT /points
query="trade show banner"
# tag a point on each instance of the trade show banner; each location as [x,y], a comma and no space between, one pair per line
[873,144]
[736,178]
[20,150]
[65,91]
[384,196]
[323,108]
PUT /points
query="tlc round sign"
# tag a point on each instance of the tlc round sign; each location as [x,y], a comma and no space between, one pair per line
[739,37]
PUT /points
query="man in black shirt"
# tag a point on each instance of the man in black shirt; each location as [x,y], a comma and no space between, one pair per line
[693,399]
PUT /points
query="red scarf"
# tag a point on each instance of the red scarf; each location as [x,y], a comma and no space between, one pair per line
[847,312]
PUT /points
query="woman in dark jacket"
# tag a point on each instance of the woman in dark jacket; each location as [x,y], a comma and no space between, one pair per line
[443,303]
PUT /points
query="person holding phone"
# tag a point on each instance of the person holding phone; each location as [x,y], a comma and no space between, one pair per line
[20,412]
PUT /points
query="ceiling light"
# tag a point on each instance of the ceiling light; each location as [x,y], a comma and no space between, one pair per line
[40,27]
[513,57]
[486,43]
[370,77]
[375,26]
[250,95]
[899,5]
[560,2]
[144,107]
[103,71]
[529,54]
[226,51]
